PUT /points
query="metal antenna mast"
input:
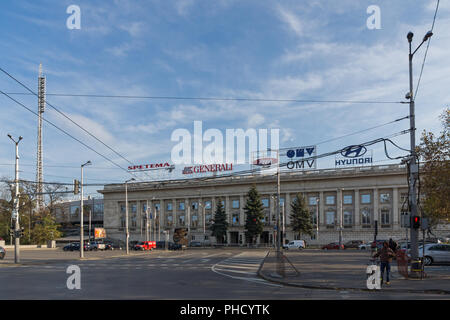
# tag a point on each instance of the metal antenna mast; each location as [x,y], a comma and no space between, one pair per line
[39,167]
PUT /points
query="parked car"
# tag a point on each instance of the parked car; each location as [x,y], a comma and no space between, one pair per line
[96,246]
[2,253]
[145,245]
[295,244]
[365,246]
[352,244]
[195,244]
[170,245]
[75,246]
[333,246]
[435,253]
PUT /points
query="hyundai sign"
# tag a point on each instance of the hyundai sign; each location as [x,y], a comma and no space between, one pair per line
[354,155]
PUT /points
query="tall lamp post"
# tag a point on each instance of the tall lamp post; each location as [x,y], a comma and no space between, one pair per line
[82,212]
[15,214]
[127,233]
[317,219]
[413,167]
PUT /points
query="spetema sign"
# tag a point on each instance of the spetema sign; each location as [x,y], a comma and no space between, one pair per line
[150,166]
[354,155]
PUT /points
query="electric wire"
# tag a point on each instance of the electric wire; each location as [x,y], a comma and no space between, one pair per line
[64,115]
[426,51]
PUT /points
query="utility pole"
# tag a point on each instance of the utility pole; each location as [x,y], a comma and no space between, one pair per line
[82,213]
[146,222]
[341,212]
[127,233]
[413,166]
[317,219]
[15,214]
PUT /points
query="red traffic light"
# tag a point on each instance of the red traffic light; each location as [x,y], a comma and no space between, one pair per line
[416,222]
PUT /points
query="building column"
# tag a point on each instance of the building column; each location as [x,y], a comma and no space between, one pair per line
[357,213]
[174,213]
[395,211]
[376,214]
[227,209]
[241,212]
[322,211]
[287,208]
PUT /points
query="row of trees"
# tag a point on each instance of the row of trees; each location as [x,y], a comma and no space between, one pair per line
[254,224]
[39,226]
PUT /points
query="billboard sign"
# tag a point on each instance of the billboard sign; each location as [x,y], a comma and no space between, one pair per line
[99,233]
[354,155]
[301,158]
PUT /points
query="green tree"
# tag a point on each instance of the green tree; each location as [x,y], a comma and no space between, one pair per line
[434,151]
[45,229]
[220,224]
[300,216]
[254,215]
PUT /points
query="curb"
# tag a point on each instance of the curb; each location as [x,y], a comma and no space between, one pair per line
[426,291]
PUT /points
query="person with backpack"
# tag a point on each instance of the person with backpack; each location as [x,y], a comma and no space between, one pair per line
[386,254]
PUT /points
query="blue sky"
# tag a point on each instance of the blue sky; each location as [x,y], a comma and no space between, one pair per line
[319,50]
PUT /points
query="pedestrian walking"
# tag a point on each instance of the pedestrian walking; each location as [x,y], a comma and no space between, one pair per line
[393,245]
[386,254]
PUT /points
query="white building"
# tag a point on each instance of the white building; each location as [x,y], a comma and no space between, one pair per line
[353,198]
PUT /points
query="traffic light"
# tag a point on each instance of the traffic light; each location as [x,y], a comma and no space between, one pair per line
[416,222]
[76,186]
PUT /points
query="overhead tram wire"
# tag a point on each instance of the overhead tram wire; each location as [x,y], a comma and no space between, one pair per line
[68,134]
[426,50]
[67,117]
[210,98]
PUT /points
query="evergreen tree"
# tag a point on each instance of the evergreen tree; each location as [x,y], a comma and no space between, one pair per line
[300,216]
[220,224]
[254,215]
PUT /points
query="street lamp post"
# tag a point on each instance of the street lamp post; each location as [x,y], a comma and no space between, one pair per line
[15,214]
[127,234]
[317,219]
[82,212]
[413,167]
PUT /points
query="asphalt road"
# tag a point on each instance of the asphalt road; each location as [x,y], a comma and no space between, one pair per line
[206,274]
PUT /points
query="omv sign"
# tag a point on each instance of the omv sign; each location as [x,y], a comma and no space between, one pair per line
[300,152]
[300,158]
[354,151]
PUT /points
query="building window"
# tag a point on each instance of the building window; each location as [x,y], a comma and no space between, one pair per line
[404,198]
[329,200]
[385,216]
[365,198]
[265,203]
[313,214]
[181,220]
[181,206]
[348,218]
[348,199]
[330,218]
[235,204]
[235,219]
[194,205]
[194,221]
[122,208]
[207,204]
[144,208]
[312,201]
[122,222]
[74,211]
[385,198]
[157,206]
[169,220]
[98,208]
[133,208]
[133,222]
[365,215]
[208,218]
[169,206]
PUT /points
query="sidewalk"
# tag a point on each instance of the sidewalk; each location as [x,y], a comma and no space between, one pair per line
[346,270]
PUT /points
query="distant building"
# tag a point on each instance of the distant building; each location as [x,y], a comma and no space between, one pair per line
[67,214]
[351,199]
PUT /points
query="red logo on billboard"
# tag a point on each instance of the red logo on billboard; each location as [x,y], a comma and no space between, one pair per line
[265,162]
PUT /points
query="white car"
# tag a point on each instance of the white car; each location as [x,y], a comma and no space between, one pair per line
[435,253]
[364,246]
[296,244]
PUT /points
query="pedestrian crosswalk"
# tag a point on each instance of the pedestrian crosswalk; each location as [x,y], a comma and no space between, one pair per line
[244,266]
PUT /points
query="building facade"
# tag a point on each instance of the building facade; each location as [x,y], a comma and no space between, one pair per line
[341,201]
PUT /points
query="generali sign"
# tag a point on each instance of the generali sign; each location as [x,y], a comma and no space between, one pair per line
[208,168]
[149,166]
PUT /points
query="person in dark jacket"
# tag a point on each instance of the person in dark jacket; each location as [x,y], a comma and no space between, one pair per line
[386,254]
[393,245]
